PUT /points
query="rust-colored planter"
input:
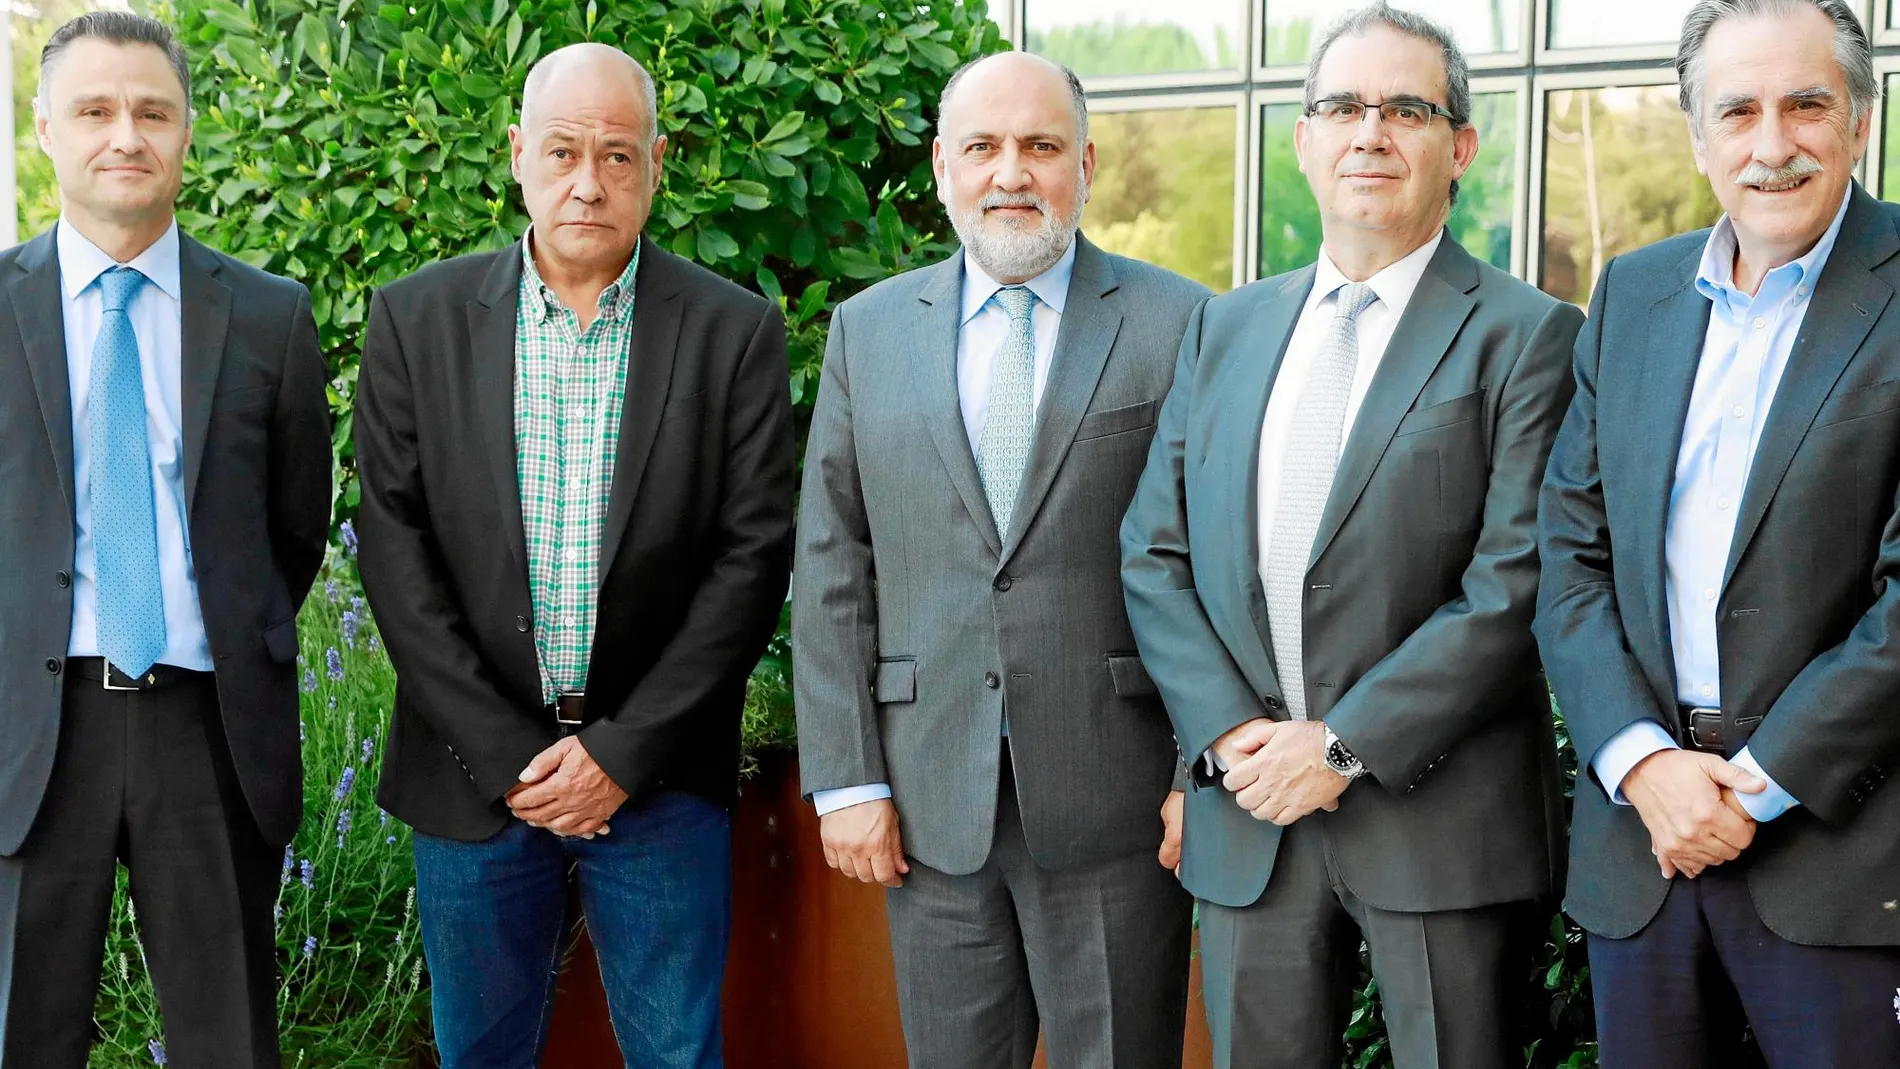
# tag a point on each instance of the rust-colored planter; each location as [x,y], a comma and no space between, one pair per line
[808,980]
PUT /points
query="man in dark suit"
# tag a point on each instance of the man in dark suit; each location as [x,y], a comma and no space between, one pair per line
[164,502]
[577,460]
[1719,606]
[1330,567]
[974,726]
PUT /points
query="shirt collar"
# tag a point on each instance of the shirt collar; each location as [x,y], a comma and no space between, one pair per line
[81,262]
[540,301]
[1051,287]
[1394,284]
[1715,276]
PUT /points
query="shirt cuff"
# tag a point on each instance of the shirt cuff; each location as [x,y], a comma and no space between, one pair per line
[1770,802]
[845,797]
[1625,750]
[1215,766]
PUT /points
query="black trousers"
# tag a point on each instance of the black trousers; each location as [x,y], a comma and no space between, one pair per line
[145,779]
[1677,994]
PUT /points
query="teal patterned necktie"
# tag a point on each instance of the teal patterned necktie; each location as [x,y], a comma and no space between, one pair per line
[1008,431]
[130,602]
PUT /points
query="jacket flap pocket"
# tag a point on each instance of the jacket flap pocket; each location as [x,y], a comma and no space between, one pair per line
[1443,414]
[1131,678]
[896,681]
[1865,401]
[1116,420]
[280,640]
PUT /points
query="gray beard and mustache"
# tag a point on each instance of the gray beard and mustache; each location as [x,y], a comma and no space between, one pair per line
[1022,248]
[1758,173]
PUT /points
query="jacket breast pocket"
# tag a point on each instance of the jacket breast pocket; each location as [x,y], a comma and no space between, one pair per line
[1874,398]
[895,680]
[1116,421]
[243,398]
[1443,414]
[1130,676]
[683,406]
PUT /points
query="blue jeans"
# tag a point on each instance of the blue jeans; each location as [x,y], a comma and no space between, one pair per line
[657,895]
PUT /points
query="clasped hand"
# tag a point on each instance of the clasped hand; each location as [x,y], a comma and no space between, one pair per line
[1277,769]
[565,791]
[1689,804]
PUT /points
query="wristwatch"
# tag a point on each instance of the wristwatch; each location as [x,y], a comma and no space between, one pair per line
[1340,759]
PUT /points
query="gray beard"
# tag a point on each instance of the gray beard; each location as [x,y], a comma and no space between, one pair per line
[1021,249]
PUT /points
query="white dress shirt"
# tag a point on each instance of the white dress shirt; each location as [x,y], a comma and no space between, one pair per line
[982,330]
[1744,354]
[157,322]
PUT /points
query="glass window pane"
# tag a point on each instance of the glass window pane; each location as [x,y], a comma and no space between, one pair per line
[1618,175]
[1109,37]
[1164,189]
[1481,221]
[1479,26]
[1604,23]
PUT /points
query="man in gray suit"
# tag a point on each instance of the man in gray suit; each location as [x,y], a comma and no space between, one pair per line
[964,665]
[1331,566]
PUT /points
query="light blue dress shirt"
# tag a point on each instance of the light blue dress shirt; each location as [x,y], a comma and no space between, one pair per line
[1744,354]
[158,322]
[982,330]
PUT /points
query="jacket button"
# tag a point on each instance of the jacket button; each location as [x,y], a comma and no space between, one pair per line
[64,580]
[521,623]
[1002,582]
[52,665]
[990,680]
[1273,701]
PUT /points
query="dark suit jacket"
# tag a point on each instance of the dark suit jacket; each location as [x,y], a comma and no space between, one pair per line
[913,624]
[1809,616]
[257,490]
[1419,597]
[695,546]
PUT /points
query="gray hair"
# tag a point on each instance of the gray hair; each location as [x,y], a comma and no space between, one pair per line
[118,27]
[545,67]
[1851,49]
[1078,99]
[1411,24]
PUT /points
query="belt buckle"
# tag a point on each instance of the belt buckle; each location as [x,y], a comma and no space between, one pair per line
[558,718]
[106,681]
[1695,737]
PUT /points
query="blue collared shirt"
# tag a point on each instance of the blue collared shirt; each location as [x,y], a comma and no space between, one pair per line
[158,323]
[1744,353]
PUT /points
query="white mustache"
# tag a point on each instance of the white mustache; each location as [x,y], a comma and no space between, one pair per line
[1013,200]
[1758,173]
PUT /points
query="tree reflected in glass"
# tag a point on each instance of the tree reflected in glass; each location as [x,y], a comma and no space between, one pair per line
[1479,26]
[1124,37]
[1164,189]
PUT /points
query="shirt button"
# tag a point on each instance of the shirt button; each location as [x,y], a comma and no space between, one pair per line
[1709,594]
[1800,291]
[568,555]
[1740,412]
[990,680]
[1707,691]
[1760,323]
[1721,502]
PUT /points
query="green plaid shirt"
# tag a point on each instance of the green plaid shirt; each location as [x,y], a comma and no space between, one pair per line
[568,393]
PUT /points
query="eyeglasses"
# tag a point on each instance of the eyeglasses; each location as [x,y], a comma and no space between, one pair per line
[1399,114]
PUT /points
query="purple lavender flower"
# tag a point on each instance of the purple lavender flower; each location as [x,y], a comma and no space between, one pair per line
[290,862]
[309,682]
[309,874]
[158,1051]
[333,661]
[332,591]
[333,702]
[391,841]
[344,784]
[310,946]
[342,827]
[350,623]
[374,645]
[349,538]
[384,814]
[369,747]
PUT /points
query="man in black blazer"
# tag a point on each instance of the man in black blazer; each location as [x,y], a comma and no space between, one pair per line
[1719,608]
[1331,564]
[164,502]
[577,461]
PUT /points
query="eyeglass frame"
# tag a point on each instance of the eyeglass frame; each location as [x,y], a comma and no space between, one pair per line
[1432,109]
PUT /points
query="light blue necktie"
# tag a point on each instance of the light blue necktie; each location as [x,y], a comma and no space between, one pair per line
[130,602]
[1002,451]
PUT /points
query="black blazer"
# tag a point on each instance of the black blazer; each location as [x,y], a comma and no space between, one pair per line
[257,491]
[695,552]
[1419,597]
[1808,619]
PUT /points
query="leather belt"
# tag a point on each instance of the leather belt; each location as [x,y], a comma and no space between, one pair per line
[157,677]
[1701,728]
[569,712]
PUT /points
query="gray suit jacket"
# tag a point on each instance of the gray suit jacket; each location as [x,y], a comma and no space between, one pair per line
[1422,582]
[913,624]
[1810,607]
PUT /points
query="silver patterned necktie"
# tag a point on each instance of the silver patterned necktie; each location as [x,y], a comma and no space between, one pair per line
[1306,481]
[1002,450]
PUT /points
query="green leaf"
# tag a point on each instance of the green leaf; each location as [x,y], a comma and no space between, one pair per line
[942,56]
[480,86]
[777,165]
[753,196]
[827,91]
[512,38]
[715,245]
[419,47]
[787,125]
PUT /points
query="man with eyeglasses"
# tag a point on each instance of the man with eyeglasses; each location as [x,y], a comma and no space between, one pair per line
[1331,566]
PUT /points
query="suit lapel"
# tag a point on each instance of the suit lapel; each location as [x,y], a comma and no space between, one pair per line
[1847,301]
[1437,311]
[1090,321]
[655,350]
[39,313]
[206,306]
[491,333]
[935,364]
[1252,385]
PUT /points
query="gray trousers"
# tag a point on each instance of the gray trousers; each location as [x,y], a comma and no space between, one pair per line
[1096,956]
[1280,973]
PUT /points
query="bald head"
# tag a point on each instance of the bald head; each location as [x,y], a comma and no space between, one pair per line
[589,72]
[1004,75]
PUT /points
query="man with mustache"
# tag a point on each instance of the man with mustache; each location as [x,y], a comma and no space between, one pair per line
[1331,566]
[975,728]
[164,504]
[577,467]
[1721,545]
